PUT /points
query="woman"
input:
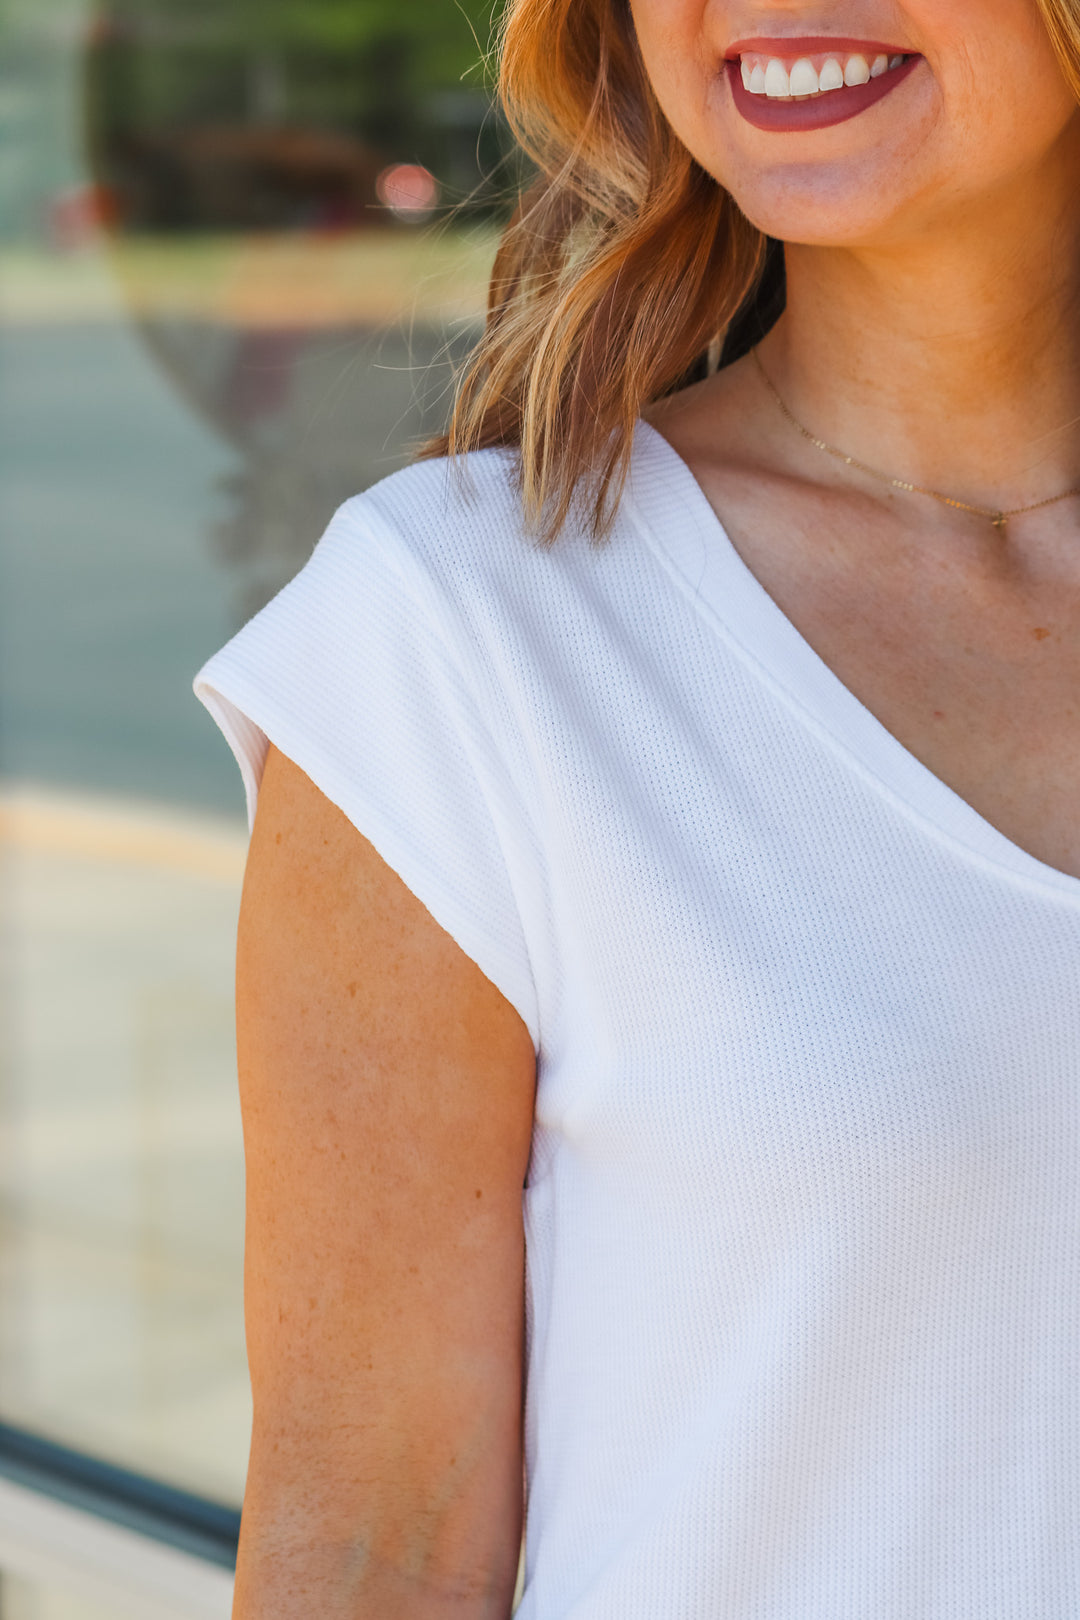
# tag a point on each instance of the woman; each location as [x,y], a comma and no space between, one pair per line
[721,880]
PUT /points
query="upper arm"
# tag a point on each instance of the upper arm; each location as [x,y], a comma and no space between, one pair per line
[387,1092]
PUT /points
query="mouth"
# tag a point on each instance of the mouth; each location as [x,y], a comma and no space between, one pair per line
[804,84]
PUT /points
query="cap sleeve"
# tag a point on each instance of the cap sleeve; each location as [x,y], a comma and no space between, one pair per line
[353,673]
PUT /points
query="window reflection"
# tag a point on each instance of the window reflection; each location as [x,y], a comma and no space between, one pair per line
[229,294]
[30,1600]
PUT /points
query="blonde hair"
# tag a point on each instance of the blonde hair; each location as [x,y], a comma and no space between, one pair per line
[624,262]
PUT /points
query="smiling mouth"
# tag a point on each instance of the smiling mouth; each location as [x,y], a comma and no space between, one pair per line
[800,85]
[820,74]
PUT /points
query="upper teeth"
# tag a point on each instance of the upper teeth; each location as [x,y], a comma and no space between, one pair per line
[769,76]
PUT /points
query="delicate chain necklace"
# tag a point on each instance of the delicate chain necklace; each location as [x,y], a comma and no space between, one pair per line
[998,519]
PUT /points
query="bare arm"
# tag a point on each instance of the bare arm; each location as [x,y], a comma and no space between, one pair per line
[388,1092]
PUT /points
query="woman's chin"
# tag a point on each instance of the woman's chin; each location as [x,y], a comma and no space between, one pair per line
[830,210]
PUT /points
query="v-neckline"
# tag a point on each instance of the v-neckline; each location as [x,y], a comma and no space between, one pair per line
[685,532]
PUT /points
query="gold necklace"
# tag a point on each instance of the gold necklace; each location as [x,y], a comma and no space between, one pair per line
[998,519]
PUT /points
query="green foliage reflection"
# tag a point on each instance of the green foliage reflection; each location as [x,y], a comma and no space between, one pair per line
[295,106]
[440,41]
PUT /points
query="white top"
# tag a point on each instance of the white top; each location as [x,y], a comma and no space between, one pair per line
[803,1217]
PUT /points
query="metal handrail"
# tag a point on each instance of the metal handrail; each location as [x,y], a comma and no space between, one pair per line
[193,1524]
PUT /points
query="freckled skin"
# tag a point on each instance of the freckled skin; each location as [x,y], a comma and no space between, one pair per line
[388,1120]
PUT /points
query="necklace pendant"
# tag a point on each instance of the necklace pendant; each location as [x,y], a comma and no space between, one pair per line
[999,522]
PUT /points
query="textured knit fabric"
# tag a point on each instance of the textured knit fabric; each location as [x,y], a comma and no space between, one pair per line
[803,1215]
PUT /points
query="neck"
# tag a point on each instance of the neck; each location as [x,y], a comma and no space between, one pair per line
[953,361]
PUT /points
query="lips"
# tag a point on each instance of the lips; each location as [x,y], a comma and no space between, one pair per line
[829,107]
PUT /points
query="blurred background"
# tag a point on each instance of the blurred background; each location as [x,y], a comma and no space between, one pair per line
[242,243]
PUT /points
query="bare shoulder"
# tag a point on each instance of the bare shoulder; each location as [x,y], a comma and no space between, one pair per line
[388,1094]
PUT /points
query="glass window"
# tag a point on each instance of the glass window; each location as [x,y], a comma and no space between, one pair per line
[230,289]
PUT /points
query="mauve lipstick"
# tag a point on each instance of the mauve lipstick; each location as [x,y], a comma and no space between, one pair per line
[816,112]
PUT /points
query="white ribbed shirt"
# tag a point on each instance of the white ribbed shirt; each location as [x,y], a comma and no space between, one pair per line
[803,1213]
